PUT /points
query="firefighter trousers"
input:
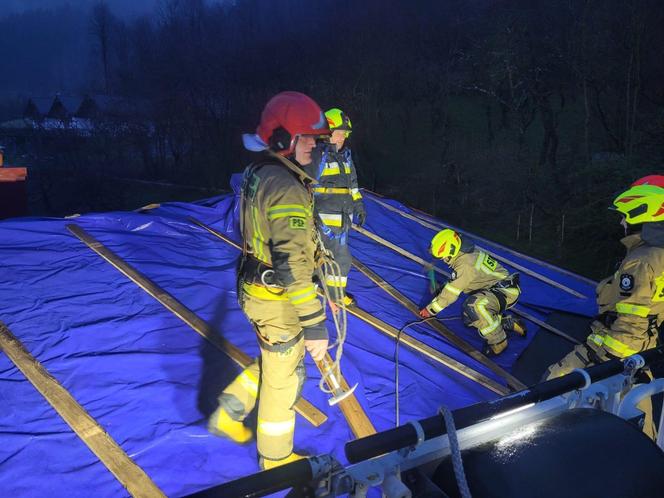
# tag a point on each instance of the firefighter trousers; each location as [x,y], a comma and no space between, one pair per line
[276,379]
[483,311]
[586,355]
[337,244]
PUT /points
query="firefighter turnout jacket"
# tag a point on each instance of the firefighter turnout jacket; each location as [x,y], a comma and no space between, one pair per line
[337,195]
[336,199]
[631,301]
[278,296]
[473,271]
[279,232]
[631,309]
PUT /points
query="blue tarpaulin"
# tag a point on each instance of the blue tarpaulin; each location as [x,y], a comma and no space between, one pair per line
[150,381]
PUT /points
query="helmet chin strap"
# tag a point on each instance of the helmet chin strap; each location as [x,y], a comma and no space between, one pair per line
[293,144]
[623,223]
[630,229]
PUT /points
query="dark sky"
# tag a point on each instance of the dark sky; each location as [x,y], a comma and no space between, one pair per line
[46,46]
[121,8]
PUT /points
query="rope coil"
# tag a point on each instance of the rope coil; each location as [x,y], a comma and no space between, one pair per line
[328,268]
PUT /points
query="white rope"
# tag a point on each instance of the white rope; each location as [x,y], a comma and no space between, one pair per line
[457,462]
[330,269]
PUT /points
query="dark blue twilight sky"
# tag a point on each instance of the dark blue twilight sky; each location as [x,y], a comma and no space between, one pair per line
[121,8]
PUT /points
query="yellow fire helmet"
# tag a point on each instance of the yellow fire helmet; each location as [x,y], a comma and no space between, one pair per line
[641,204]
[445,244]
[338,120]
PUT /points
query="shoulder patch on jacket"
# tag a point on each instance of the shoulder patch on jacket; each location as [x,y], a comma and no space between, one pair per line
[297,223]
[626,282]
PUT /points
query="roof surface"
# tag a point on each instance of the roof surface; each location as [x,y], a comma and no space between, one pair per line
[150,381]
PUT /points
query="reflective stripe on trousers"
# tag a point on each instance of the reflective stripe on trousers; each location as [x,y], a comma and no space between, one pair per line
[331,220]
[482,311]
[281,375]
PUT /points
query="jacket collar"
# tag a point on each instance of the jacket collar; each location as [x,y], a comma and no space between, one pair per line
[632,241]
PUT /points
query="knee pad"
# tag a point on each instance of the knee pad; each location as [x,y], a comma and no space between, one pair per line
[470,316]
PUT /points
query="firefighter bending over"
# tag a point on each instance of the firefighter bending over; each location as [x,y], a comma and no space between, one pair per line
[491,290]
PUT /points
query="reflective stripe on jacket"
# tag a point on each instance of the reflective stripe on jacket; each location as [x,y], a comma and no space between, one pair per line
[634,295]
[337,190]
[279,231]
[473,271]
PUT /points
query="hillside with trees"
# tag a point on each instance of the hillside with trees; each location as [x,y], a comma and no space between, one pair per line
[518,120]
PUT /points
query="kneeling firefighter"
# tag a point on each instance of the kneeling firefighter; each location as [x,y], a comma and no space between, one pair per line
[491,290]
[631,301]
[275,286]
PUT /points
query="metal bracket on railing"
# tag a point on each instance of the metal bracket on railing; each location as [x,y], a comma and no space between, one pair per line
[628,409]
[594,396]
[576,397]
[632,364]
[322,470]
[586,378]
[404,452]
[393,487]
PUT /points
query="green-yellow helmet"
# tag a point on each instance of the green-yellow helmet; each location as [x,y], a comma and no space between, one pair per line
[338,120]
[641,204]
[445,244]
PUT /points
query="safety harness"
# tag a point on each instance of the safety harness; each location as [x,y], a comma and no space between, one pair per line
[258,279]
[342,237]
[511,282]
[255,277]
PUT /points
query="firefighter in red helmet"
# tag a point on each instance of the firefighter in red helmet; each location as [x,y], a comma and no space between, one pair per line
[275,286]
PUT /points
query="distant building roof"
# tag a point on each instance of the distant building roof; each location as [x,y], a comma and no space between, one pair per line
[37,107]
[70,103]
[79,126]
[18,124]
[89,106]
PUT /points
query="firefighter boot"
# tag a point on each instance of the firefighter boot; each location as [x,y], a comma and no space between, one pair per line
[221,424]
[495,349]
[513,324]
[349,299]
[267,464]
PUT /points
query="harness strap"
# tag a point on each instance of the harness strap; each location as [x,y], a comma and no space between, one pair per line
[280,347]
[254,271]
[502,300]
[511,282]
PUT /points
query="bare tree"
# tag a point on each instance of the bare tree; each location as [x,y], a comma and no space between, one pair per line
[102,22]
